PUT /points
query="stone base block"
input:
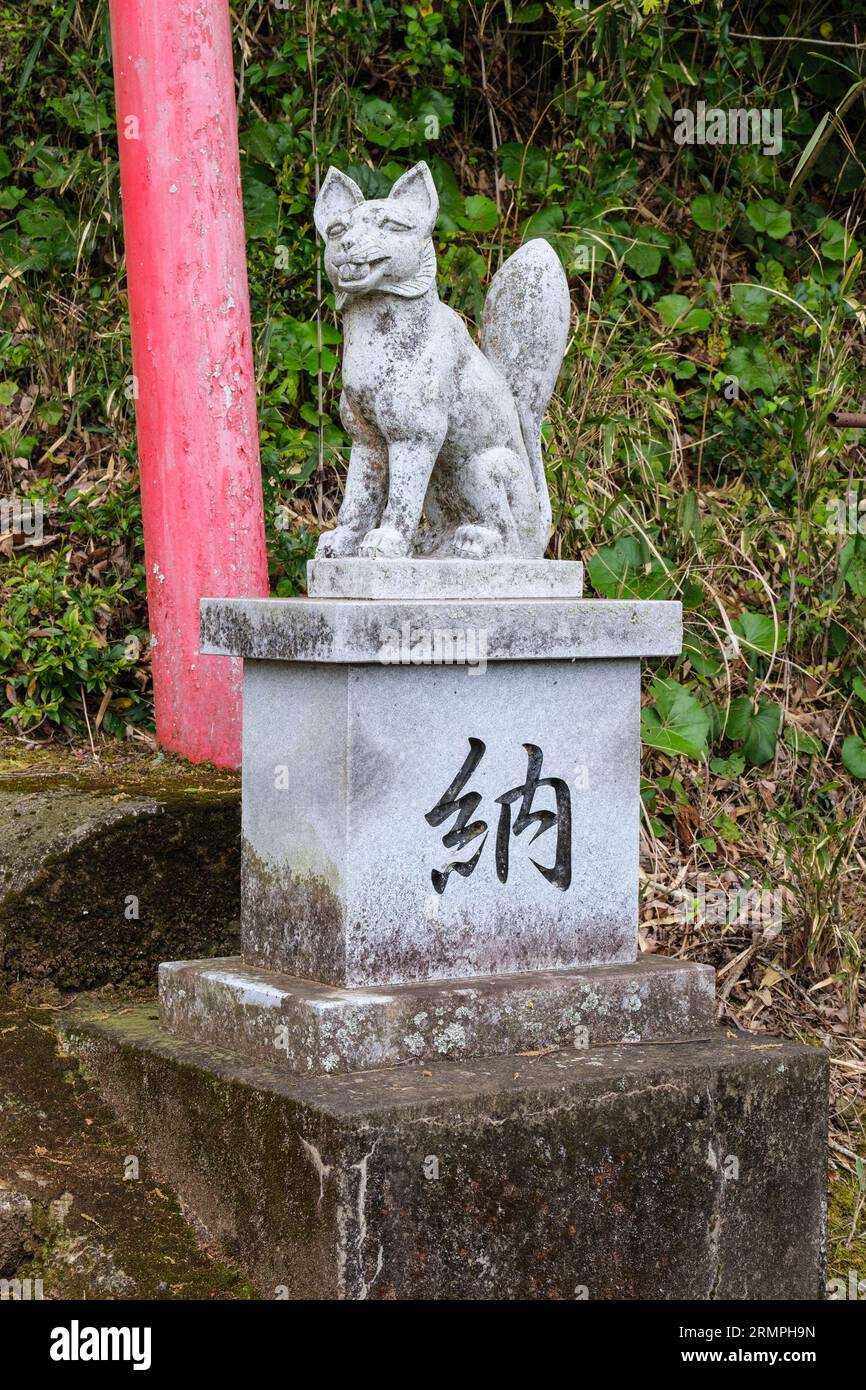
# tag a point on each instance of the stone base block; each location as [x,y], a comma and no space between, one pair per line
[302,1026]
[444,579]
[691,1170]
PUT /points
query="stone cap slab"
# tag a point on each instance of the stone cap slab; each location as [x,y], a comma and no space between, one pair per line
[444,579]
[307,1027]
[346,631]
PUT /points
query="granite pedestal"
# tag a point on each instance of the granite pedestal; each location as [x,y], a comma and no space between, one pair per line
[439,1068]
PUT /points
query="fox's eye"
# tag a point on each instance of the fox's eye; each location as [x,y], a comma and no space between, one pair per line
[394,225]
[336,229]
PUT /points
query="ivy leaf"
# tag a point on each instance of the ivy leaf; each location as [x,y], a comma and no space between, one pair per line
[769,217]
[644,260]
[751,366]
[544,223]
[854,756]
[675,311]
[751,302]
[756,730]
[623,570]
[681,258]
[709,212]
[480,214]
[677,723]
[836,244]
[760,633]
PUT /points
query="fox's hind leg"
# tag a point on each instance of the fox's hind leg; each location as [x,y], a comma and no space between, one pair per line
[500,508]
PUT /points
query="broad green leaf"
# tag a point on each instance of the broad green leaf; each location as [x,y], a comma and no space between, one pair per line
[756,730]
[261,206]
[672,307]
[527,14]
[836,244]
[858,685]
[751,302]
[709,212]
[622,570]
[728,767]
[480,214]
[681,258]
[525,165]
[802,742]
[760,744]
[544,223]
[727,829]
[852,563]
[644,260]
[704,659]
[760,633]
[675,311]
[769,217]
[677,723]
[854,756]
[753,369]
[739,718]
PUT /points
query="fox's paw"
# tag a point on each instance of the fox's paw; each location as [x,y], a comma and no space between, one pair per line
[343,540]
[385,543]
[477,543]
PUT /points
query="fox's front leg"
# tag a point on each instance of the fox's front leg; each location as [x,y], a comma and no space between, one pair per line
[365,491]
[410,463]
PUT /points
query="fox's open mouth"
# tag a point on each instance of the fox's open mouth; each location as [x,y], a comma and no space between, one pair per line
[356,272]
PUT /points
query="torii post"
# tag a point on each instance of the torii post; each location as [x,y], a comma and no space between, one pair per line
[192,360]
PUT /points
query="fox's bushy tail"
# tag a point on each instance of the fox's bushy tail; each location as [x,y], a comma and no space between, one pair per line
[524,333]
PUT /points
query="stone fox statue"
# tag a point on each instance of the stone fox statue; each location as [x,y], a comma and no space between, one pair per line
[446,437]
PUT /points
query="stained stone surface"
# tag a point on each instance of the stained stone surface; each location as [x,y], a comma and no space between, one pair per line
[444,579]
[691,1170]
[440,427]
[101,880]
[363,784]
[358,630]
[308,1028]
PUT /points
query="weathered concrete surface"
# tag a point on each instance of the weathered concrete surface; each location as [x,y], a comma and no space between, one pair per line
[352,816]
[695,1170]
[16,1229]
[101,879]
[101,1223]
[361,630]
[439,426]
[444,579]
[304,1027]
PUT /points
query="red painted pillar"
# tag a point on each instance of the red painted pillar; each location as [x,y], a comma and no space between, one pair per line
[191,352]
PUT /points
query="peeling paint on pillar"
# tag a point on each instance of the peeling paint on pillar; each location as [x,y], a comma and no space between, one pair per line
[192,352]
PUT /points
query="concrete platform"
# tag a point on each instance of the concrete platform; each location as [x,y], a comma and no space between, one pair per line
[302,1026]
[670,1171]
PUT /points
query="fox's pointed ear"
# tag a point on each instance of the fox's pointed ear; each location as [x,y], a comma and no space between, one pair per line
[417,191]
[338,194]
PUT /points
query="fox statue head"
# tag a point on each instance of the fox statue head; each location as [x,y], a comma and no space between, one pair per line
[383,246]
